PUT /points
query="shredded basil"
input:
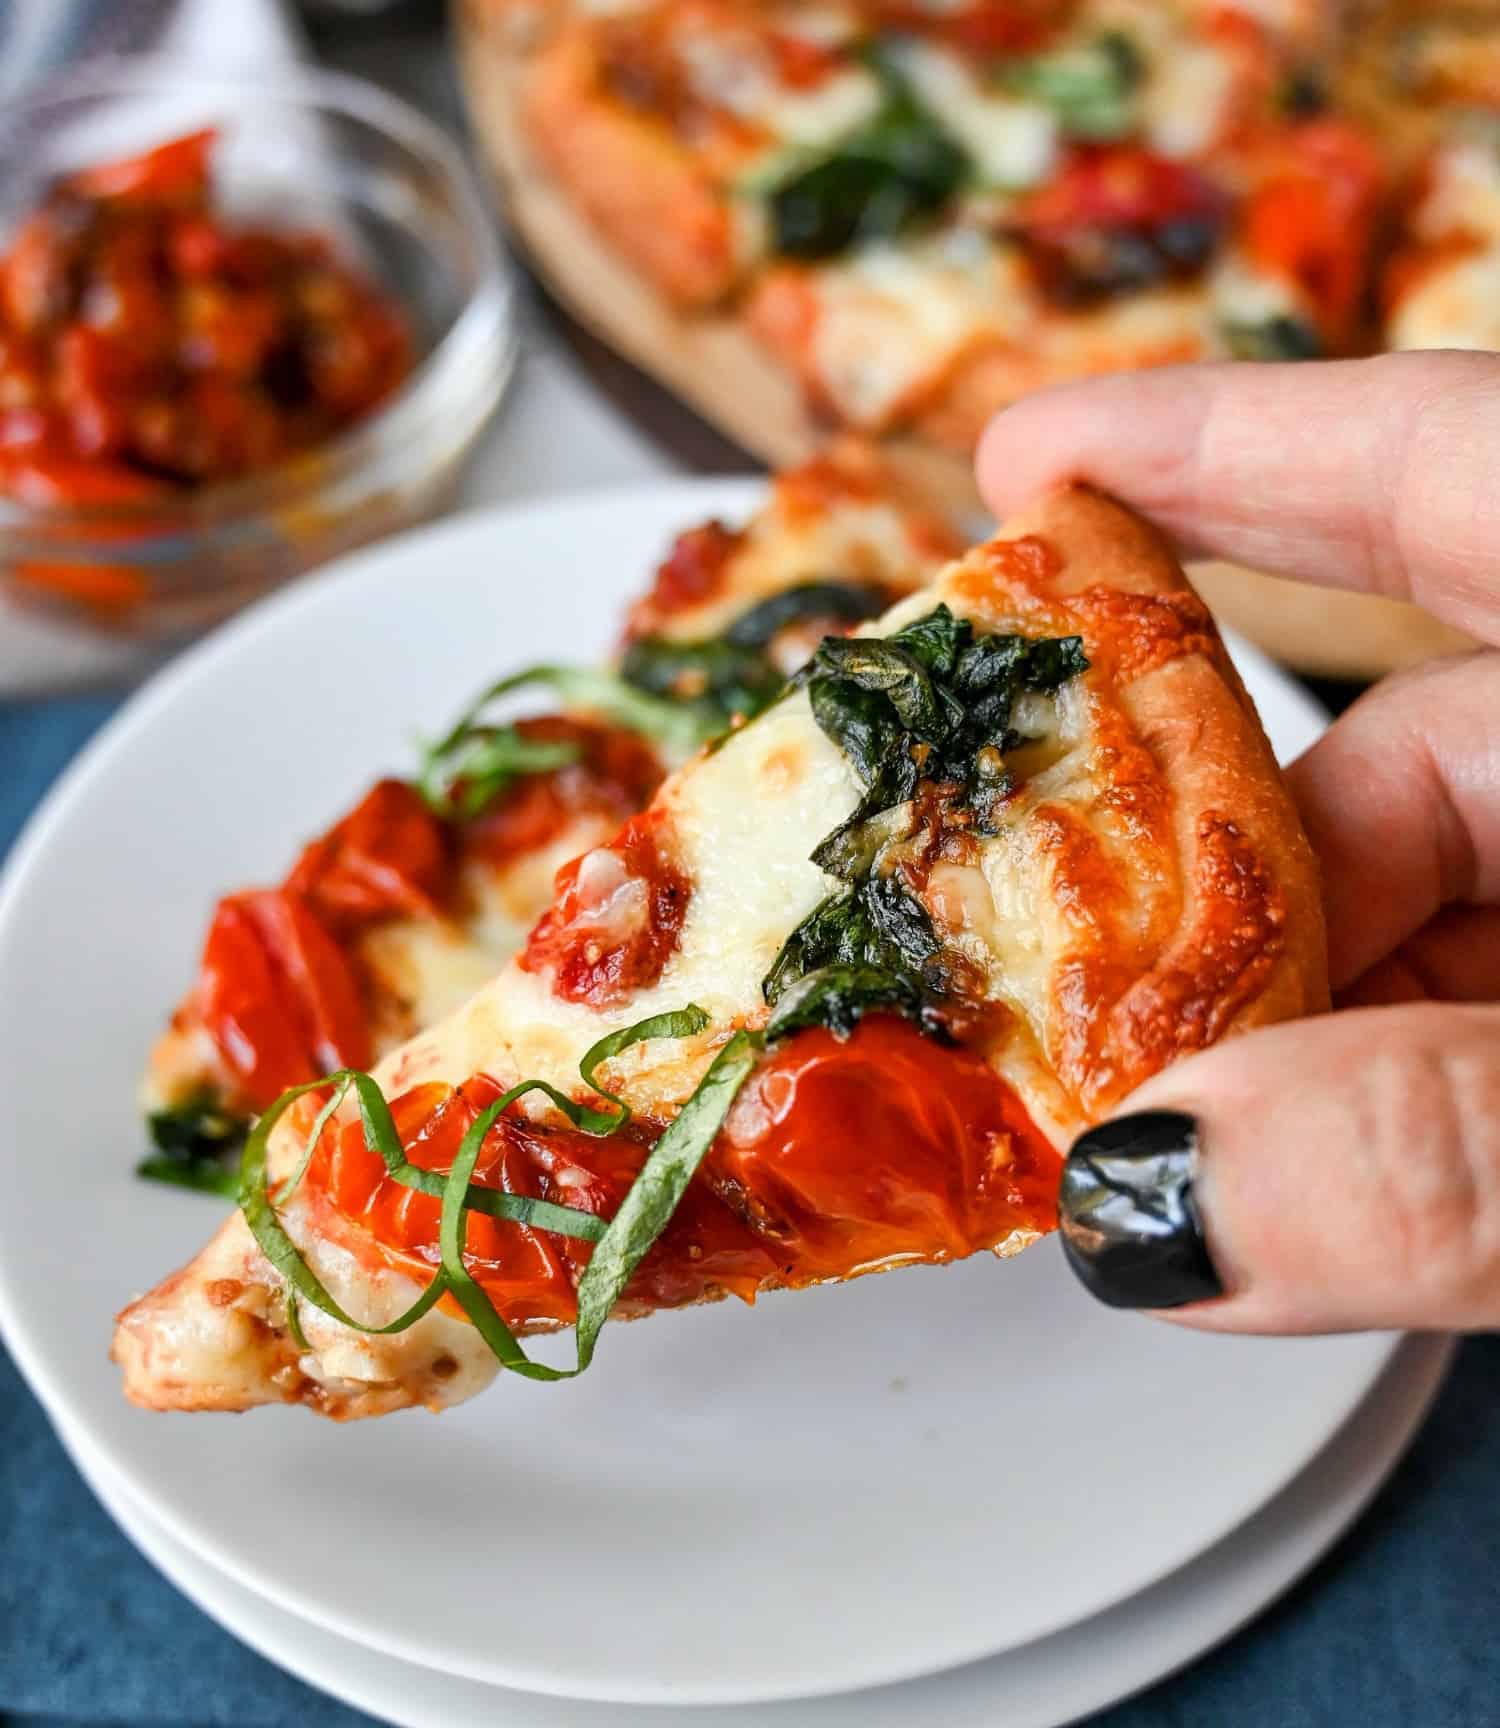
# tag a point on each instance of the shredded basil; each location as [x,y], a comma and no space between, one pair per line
[931,705]
[1091,87]
[476,760]
[659,1187]
[620,1243]
[294,1321]
[280,1250]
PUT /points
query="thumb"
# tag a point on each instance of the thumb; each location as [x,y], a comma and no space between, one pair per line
[1328,1175]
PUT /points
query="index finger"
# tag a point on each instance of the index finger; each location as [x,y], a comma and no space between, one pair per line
[1371,474]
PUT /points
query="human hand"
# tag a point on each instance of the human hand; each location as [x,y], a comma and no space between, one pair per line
[1343,1172]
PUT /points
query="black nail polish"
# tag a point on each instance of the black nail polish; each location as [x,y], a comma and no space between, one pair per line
[1130,1224]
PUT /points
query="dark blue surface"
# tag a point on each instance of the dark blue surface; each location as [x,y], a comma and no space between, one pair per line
[1398,1628]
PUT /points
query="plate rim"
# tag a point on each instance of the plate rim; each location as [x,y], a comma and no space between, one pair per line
[1384,1426]
[671,498]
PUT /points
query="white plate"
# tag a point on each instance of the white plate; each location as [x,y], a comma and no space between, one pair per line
[836,1489]
[1039,1686]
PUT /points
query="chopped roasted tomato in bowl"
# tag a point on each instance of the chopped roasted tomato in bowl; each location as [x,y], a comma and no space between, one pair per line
[232,349]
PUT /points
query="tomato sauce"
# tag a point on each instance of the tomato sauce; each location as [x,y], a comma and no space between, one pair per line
[837,1158]
[148,346]
[615,920]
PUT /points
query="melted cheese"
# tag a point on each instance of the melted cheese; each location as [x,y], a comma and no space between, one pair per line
[895,318]
[1242,294]
[1013,144]
[1463,194]
[1456,306]
[1188,98]
[744,820]
[817,118]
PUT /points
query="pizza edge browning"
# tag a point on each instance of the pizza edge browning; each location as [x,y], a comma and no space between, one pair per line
[1190,709]
[1248,950]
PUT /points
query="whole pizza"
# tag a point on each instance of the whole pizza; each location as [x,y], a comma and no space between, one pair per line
[926,208]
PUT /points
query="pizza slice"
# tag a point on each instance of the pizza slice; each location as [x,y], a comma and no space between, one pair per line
[417,896]
[834,1002]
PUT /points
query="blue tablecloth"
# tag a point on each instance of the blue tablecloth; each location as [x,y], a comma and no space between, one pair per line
[1398,1628]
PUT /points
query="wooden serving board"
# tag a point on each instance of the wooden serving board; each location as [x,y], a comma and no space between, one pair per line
[713,365]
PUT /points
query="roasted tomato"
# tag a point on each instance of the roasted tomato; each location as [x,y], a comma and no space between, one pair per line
[278,995]
[532,1274]
[149,345]
[615,774]
[615,920]
[389,857]
[1118,219]
[948,1160]
[693,572]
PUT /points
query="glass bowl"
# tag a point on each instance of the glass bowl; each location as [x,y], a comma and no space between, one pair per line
[297,148]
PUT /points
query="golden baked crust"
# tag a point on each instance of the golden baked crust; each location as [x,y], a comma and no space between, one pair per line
[1208,920]
[658,203]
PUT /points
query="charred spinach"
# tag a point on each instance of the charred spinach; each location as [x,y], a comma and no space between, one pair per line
[733,677]
[929,707]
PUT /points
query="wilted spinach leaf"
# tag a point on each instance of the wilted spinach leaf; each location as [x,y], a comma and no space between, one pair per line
[931,705]
[898,167]
[198,1145]
[732,676]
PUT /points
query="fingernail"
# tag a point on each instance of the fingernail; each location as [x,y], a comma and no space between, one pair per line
[1130,1224]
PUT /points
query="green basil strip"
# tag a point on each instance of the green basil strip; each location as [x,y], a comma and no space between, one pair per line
[459,1196]
[658,1188]
[455,1274]
[644,1213]
[314,1135]
[279,1248]
[581,687]
[485,762]
[382,1139]
[294,1321]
